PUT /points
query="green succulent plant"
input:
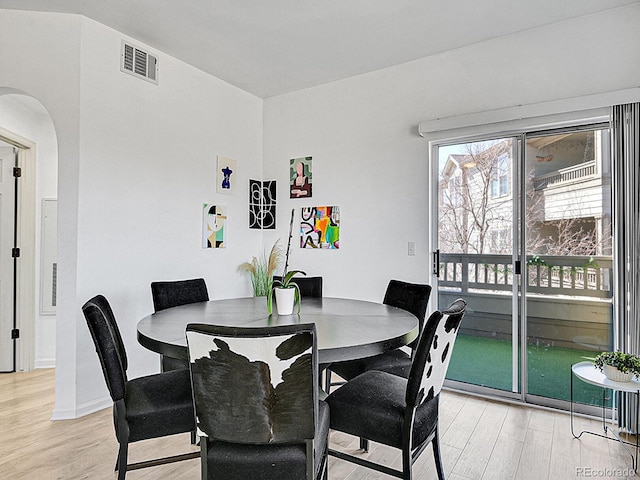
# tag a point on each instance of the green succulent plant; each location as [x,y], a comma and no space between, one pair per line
[625,362]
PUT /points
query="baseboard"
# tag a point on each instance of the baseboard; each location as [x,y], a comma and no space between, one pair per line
[45,363]
[82,410]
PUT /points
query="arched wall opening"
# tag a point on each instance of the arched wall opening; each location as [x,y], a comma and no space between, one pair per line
[27,125]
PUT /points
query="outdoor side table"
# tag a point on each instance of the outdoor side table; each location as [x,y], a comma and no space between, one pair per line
[586,372]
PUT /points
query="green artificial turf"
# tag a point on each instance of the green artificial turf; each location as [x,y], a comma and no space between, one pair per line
[487,362]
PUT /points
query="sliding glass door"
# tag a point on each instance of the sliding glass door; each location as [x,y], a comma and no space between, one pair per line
[568,244]
[477,244]
[524,236]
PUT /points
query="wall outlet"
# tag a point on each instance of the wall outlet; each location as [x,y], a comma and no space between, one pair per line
[411,248]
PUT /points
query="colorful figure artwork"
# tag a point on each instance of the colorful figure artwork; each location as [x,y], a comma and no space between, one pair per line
[262,204]
[213,221]
[320,227]
[300,177]
[226,175]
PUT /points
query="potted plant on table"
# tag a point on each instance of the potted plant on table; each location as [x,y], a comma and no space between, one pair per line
[285,289]
[618,366]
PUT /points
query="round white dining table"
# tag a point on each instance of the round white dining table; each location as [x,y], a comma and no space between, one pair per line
[346,329]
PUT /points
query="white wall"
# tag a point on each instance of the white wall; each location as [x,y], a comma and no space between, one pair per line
[136,161]
[148,157]
[27,118]
[369,160]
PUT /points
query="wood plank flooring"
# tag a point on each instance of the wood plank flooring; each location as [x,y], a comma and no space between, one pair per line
[481,440]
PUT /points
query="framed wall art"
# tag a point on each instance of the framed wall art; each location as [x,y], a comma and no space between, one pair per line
[226,174]
[320,227]
[213,225]
[300,177]
[262,204]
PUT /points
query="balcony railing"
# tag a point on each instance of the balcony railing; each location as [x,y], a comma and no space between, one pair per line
[565,175]
[581,276]
[568,297]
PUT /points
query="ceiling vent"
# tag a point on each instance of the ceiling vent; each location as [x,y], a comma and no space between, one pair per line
[139,63]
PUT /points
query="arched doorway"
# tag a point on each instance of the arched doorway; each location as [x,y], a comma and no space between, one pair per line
[26,130]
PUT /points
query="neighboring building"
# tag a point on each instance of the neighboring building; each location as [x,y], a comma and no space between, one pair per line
[568,192]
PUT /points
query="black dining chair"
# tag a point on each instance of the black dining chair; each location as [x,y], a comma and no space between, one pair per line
[398,412]
[411,297]
[173,294]
[310,287]
[255,392]
[143,408]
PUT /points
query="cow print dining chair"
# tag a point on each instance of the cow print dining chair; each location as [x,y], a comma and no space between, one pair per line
[255,393]
[402,413]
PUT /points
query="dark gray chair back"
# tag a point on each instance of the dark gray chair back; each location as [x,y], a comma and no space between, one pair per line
[412,297]
[108,343]
[180,292]
[310,287]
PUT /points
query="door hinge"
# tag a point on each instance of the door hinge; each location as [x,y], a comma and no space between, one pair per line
[518,268]
[15,252]
[15,333]
[17,172]
[436,263]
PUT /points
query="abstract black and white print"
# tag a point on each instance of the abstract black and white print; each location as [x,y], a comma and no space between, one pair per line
[262,204]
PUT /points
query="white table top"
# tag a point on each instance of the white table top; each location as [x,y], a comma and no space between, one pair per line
[587,372]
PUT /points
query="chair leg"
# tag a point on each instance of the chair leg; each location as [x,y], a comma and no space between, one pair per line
[121,463]
[364,444]
[327,381]
[407,464]
[436,455]
[204,461]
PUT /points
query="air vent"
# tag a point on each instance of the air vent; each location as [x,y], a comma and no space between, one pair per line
[139,63]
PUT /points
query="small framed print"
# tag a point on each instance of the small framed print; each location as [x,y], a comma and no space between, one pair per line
[226,174]
[300,177]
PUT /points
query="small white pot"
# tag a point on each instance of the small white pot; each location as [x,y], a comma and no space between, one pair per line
[284,300]
[612,373]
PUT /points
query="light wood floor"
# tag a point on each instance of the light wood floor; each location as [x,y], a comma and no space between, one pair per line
[481,439]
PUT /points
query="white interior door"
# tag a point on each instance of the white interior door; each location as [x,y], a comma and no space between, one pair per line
[7,206]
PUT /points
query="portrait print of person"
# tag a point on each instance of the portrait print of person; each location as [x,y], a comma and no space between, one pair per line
[300,175]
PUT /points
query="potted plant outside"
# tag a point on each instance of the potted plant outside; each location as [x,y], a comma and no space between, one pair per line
[618,366]
[285,289]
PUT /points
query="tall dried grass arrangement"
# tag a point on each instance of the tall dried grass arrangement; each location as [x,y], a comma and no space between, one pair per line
[261,270]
